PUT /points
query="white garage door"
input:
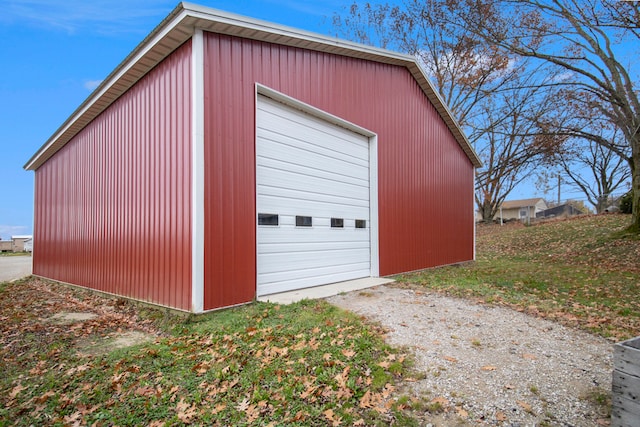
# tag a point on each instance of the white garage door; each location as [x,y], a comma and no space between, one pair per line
[312,200]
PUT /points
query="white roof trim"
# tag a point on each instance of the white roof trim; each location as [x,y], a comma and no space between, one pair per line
[179,26]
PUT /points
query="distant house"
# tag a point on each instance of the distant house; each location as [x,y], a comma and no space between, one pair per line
[28,245]
[6,245]
[521,209]
[560,211]
[18,242]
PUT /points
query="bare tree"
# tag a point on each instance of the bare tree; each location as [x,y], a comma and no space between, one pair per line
[586,39]
[496,97]
[596,171]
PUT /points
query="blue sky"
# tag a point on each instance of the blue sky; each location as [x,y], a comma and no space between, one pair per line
[55,52]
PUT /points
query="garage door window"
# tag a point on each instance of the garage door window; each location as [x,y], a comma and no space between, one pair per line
[303,221]
[337,222]
[361,223]
[267,219]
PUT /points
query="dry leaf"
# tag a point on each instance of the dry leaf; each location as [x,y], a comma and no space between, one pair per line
[500,416]
[242,406]
[348,353]
[451,359]
[529,356]
[441,400]
[16,390]
[365,400]
[489,368]
[461,412]
[185,411]
[524,405]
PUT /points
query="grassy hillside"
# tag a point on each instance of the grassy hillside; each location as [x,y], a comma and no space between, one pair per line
[576,271]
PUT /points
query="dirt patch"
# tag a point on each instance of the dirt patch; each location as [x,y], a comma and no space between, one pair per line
[67,318]
[42,317]
[98,346]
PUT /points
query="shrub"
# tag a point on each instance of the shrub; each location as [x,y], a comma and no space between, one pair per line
[626,203]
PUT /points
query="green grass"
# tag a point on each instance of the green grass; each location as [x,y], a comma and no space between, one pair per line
[581,272]
[308,363]
[12,254]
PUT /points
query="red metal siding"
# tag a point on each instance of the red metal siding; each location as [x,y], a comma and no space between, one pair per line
[425,179]
[113,207]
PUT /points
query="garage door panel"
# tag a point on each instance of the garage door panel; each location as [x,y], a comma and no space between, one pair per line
[313,133]
[277,247]
[301,138]
[307,282]
[309,162]
[299,204]
[316,236]
[307,166]
[310,184]
[301,261]
[308,275]
[348,173]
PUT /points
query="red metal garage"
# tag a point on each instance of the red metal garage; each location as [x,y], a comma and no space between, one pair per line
[154,189]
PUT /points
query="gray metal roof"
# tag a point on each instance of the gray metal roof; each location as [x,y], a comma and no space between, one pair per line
[179,26]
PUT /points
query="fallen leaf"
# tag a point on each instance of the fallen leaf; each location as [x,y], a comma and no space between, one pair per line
[145,391]
[365,400]
[242,406]
[16,391]
[500,416]
[529,356]
[524,405]
[45,397]
[385,364]
[461,412]
[451,359]
[441,400]
[348,353]
[185,411]
[489,368]
[331,417]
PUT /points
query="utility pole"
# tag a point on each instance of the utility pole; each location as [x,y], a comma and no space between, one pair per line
[559,180]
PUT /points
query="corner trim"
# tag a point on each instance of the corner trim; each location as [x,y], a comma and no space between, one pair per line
[197,172]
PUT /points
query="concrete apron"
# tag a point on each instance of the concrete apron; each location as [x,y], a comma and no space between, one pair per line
[325,291]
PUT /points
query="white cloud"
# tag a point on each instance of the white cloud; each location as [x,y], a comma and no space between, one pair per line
[92,84]
[6,231]
[562,77]
[463,66]
[102,16]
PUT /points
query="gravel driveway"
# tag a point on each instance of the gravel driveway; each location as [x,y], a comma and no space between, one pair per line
[14,267]
[492,365]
